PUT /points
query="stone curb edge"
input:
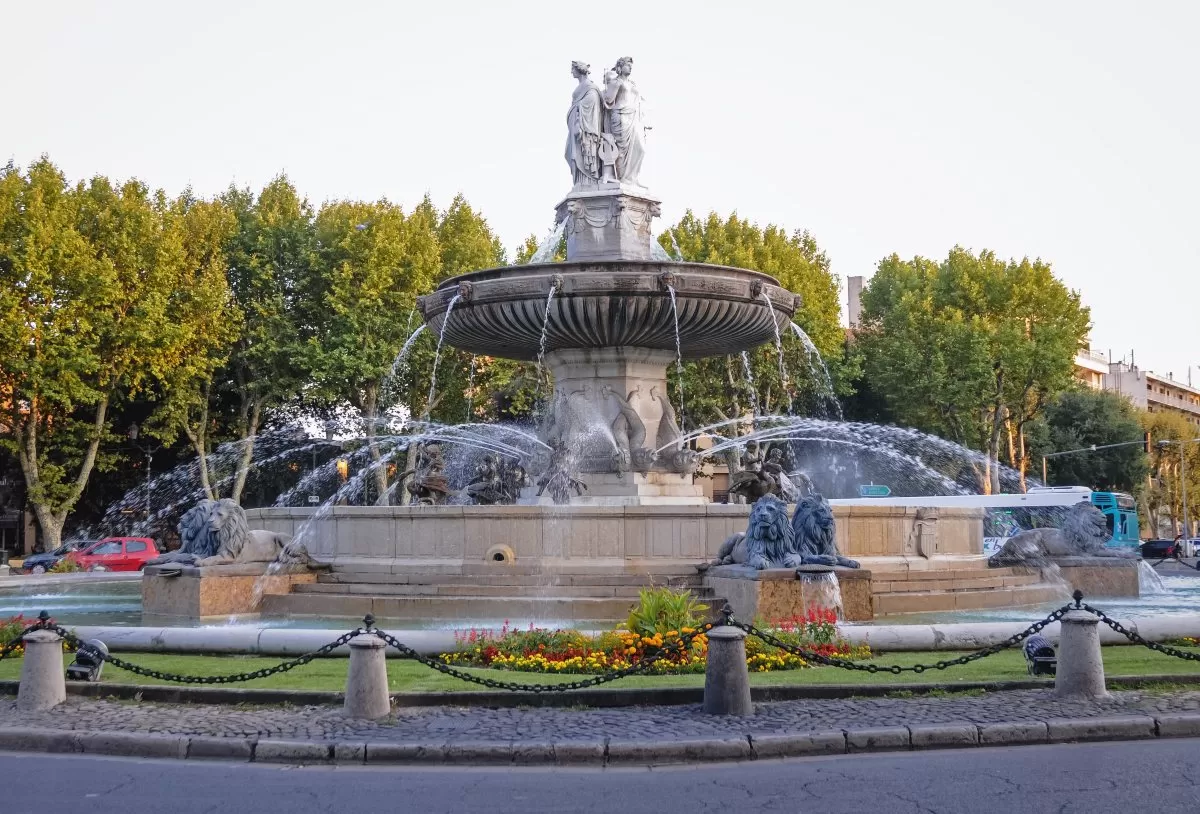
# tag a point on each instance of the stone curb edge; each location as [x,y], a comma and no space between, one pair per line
[606,752]
[607,697]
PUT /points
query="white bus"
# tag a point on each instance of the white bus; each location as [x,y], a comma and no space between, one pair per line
[1040,507]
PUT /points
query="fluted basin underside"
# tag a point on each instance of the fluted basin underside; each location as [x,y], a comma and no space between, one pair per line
[500,312]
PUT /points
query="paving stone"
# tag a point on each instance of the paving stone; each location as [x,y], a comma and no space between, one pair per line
[943,736]
[1101,728]
[1178,726]
[220,748]
[799,744]
[281,751]
[877,740]
[1014,733]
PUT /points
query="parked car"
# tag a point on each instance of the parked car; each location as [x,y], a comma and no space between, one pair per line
[41,563]
[1158,549]
[116,554]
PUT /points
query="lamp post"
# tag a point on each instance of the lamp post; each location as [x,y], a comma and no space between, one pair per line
[1183,485]
[148,451]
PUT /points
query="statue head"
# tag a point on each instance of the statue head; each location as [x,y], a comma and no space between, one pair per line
[775,455]
[580,69]
[624,66]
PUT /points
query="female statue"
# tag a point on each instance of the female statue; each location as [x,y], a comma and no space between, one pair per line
[584,128]
[624,122]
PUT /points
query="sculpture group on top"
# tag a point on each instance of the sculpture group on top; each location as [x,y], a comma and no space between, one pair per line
[606,130]
[758,476]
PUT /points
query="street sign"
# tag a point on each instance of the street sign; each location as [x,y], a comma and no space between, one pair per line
[873,490]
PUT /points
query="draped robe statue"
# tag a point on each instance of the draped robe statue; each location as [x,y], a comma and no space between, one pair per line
[624,122]
[584,128]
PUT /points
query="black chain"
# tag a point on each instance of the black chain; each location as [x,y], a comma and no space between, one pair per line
[645,663]
[1136,639]
[895,669]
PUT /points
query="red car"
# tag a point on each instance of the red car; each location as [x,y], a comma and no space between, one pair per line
[116,554]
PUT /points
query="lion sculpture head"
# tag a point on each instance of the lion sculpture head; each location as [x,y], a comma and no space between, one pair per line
[1085,529]
[769,540]
[813,527]
[213,527]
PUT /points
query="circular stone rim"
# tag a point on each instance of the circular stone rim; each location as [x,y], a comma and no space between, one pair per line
[514,297]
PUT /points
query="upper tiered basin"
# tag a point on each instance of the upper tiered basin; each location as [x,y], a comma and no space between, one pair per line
[617,304]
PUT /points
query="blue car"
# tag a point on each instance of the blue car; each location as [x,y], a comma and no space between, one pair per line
[41,563]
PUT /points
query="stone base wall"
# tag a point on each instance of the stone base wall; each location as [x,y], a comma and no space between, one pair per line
[778,593]
[607,536]
[219,591]
[1095,576]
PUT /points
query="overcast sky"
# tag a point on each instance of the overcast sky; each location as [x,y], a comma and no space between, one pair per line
[1062,130]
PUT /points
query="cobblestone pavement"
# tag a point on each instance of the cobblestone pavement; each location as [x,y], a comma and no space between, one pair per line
[450,724]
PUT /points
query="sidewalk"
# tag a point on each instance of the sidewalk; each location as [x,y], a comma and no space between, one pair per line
[662,734]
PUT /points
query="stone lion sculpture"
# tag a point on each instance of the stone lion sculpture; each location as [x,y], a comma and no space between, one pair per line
[767,542]
[216,532]
[814,530]
[1083,534]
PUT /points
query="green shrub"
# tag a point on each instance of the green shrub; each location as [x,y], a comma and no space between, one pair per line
[660,610]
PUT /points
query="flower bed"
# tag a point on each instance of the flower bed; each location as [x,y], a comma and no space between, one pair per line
[11,627]
[570,651]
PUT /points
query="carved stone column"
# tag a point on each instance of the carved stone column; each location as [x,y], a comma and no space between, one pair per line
[608,223]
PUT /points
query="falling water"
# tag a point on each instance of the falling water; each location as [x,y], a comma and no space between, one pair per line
[675,247]
[785,381]
[402,356]
[470,388]
[750,382]
[678,358]
[545,327]
[547,248]
[1149,582]
[659,254]
[818,370]
[437,354]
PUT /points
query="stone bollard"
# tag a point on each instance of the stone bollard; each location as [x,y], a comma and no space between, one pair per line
[43,685]
[1080,672]
[366,680]
[726,677]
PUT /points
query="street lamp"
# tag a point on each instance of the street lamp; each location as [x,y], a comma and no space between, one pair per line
[1187,525]
[148,451]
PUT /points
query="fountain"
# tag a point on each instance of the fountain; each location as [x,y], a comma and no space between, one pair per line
[566,522]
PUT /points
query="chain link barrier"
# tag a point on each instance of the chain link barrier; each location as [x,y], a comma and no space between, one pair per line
[895,669]
[676,648]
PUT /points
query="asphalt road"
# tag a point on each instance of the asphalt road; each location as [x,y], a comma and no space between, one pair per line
[1103,778]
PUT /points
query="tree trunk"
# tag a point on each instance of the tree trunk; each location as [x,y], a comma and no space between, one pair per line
[1023,458]
[199,440]
[52,517]
[251,432]
[371,419]
[998,416]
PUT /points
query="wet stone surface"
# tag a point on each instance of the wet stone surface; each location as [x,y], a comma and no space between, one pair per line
[443,725]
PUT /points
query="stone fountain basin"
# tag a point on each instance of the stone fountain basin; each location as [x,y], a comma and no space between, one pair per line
[500,312]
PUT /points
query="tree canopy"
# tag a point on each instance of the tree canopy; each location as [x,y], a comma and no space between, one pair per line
[972,348]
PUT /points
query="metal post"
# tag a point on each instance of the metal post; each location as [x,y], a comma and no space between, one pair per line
[149,460]
[1045,480]
[1187,531]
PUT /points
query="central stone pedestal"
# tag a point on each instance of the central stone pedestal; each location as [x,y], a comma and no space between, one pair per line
[172,592]
[630,489]
[611,222]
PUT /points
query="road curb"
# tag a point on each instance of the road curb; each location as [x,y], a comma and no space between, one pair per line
[608,697]
[600,752]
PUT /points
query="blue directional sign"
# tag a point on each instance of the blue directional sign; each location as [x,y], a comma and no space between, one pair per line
[874,490]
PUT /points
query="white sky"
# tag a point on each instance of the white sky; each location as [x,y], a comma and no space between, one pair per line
[1065,130]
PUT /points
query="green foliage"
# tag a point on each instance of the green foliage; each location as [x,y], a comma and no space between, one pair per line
[65,565]
[1162,504]
[105,292]
[716,389]
[661,609]
[972,348]
[1081,418]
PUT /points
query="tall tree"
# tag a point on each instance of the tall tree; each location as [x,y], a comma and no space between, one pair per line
[1163,499]
[371,263]
[973,347]
[716,389]
[1081,418]
[90,309]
